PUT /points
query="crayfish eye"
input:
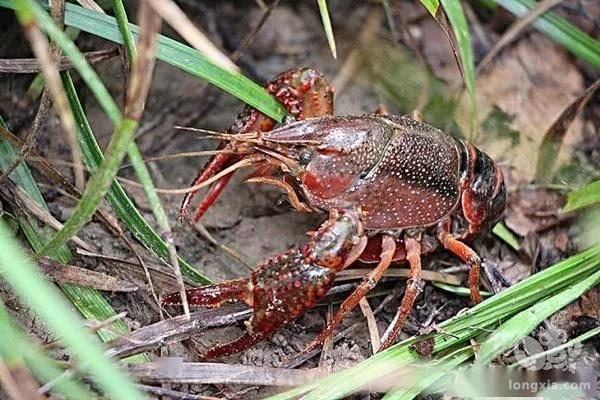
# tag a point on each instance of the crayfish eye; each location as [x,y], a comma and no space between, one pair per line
[305,156]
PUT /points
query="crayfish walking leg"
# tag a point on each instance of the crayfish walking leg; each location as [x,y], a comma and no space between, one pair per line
[368,283]
[413,287]
[467,255]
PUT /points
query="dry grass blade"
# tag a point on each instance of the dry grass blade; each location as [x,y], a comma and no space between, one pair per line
[16,195]
[176,329]
[43,109]
[515,29]
[326,21]
[554,136]
[440,18]
[160,273]
[252,34]
[33,134]
[174,370]
[41,49]
[149,28]
[91,5]
[434,276]
[18,382]
[177,19]
[32,65]
[61,273]
[365,307]
[142,70]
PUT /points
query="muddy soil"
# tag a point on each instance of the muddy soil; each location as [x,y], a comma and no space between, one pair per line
[256,221]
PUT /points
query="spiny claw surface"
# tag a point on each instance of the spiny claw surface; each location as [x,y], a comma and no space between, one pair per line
[283,287]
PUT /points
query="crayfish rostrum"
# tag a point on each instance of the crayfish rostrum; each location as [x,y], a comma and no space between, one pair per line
[394,188]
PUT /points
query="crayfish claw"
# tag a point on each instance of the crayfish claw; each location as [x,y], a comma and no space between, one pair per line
[222,350]
[213,295]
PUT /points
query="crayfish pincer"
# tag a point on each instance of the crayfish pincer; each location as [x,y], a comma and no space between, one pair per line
[394,188]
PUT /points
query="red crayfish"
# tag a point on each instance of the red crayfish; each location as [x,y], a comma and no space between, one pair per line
[394,188]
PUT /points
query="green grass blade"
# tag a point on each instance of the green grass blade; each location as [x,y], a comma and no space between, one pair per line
[455,14]
[459,290]
[123,136]
[57,314]
[526,321]
[32,9]
[559,30]
[432,6]
[97,187]
[117,197]
[90,303]
[431,372]
[324,11]
[509,238]
[16,344]
[459,329]
[123,22]
[583,197]
[143,175]
[178,55]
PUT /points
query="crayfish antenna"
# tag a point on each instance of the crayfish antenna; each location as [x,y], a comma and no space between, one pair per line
[215,164]
[212,195]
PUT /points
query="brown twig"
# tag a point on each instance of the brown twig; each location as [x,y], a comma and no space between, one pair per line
[176,329]
[32,65]
[515,29]
[41,49]
[169,281]
[177,371]
[433,276]
[365,307]
[24,202]
[180,22]
[252,34]
[325,362]
[61,273]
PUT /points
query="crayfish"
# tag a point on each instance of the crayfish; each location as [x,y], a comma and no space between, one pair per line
[394,188]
